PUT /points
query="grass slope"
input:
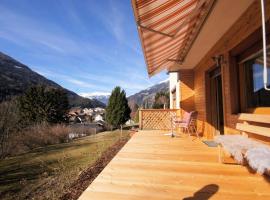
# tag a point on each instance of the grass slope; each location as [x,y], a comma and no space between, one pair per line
[45,172]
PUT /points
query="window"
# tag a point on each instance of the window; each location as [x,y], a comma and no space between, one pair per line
[251,75]
[246,74]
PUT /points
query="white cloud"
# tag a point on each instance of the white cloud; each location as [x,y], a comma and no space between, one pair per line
[80,83]
[27,31]
[67,78]
[128,81]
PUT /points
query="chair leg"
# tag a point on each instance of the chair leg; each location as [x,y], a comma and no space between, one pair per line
[188,131]
[197,134]
[191,130]
[195,130]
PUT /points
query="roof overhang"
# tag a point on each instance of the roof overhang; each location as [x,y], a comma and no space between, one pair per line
[176,34]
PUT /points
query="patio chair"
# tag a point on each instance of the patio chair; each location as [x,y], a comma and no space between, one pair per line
[188,123]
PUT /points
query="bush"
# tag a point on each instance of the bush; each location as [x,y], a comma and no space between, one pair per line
[43,134]
[15,138]
[9,120]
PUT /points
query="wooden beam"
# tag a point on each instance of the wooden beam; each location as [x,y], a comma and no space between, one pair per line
[258,130]
[255,118]
[175,60]
[140,119]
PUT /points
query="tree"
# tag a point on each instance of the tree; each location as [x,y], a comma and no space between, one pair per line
[9,124]
[135,107]
[135,112]
[146,104]
[162,100]
[117,111]
[59,106]
[137,116]
[40,104]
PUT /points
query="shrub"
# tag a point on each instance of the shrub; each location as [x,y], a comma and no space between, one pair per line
[9,120]
[44,134]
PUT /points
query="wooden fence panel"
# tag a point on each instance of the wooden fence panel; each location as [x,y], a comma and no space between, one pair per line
[157,119]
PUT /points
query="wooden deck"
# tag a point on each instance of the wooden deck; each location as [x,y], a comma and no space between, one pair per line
[153,166]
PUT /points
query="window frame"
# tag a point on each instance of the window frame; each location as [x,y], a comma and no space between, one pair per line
[247,49]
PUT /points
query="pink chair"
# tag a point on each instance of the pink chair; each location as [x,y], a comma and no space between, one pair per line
[188,123]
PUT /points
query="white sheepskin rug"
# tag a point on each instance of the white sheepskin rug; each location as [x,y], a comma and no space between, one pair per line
[236,145]
[259,159]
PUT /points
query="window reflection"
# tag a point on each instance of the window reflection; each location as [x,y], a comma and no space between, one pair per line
[256,95]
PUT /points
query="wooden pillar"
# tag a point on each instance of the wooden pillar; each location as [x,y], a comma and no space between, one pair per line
[186,78]
[140,119]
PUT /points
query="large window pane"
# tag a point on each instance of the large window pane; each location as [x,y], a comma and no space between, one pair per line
[256,95]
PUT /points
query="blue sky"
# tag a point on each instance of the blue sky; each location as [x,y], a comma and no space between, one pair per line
[84,45]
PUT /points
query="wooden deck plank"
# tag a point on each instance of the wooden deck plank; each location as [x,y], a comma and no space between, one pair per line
[164,192]
[155,166]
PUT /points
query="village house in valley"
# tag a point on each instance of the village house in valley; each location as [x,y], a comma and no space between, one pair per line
[86,115]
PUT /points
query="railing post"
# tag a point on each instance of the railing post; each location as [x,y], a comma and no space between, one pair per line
[140,119]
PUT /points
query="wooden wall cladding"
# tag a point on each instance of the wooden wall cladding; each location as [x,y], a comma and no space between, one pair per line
[186,90]
[248,23]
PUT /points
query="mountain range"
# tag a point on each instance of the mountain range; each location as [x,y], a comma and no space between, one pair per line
[142,97]
[16,78]
[147,96]
[100,96]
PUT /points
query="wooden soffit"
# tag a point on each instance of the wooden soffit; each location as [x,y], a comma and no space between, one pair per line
[167,29]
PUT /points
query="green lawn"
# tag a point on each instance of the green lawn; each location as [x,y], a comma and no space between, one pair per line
[45,172]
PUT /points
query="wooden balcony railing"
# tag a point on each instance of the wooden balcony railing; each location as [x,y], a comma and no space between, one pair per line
[157,119]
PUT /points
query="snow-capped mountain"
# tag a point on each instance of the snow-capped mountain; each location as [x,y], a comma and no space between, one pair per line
[100,96]
[141,97]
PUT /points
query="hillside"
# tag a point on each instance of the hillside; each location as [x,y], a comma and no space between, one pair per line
[147,96]
[16,78]
[48,172]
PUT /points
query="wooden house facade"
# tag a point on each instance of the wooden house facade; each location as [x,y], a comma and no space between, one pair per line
[219,60]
